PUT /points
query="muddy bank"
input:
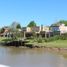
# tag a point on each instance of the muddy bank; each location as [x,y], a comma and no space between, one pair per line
[25,45]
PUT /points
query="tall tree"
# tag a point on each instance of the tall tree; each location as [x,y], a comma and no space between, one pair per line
[14,25]
[1,30]
[60,22]
[18,26]
[32,24]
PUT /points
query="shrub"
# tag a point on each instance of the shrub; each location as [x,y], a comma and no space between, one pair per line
[63,36]
[49,39]
[39,40]
[52,38]
[57,37]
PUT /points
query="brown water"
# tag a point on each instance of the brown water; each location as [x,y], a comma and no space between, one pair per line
[19,57]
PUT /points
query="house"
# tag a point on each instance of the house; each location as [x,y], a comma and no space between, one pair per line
[27,32]
[41,30]
[6,32]
[54,28]
[45,28]
[60,29]
[36,29]
[45,31]
[26,29]
[63,29]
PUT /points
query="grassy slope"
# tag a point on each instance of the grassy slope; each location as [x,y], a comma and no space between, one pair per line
[5,39]
[57,43]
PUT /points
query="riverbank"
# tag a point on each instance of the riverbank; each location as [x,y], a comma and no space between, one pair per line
[55,45]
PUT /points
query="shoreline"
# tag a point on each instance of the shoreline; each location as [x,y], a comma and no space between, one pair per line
[58,45]
[31,46]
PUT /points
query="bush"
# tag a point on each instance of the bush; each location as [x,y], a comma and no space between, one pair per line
[48,39]
[52,38]
[57,37]
[63,36]
[39,40]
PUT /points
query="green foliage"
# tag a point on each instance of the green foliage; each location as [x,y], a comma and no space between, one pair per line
[14,26]
[39,40]
[32,24]
[54,38]
[63,22]
[18,26]
[60,22]
[1,30]
[57,37]
[6,40]
[63,36]
[49,39]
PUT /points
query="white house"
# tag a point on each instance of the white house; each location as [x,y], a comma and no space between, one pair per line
[60,28]
[63,28]
[26,29]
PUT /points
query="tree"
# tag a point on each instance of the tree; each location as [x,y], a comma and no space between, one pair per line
[1,30]
[63,22]
[32,24]
[18,26]
[60,22]
[15,25]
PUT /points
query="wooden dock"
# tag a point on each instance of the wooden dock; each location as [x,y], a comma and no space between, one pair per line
[16,43]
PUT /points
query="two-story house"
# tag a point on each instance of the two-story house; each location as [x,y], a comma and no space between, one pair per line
[26,29]
[60,29]
[38,30]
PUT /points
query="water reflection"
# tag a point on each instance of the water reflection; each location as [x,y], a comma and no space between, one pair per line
[19,57]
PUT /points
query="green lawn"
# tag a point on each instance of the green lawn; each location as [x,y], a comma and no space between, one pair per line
[57,43]
[5,39]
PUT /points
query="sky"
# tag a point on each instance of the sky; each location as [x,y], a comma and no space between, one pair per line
[43,12]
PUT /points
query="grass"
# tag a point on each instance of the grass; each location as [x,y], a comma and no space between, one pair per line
[5,39]
[57,43]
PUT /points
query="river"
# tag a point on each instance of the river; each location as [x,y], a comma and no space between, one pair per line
[24,57]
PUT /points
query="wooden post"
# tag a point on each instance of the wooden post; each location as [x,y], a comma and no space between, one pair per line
[45,35]
[24,35]
[49,34]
